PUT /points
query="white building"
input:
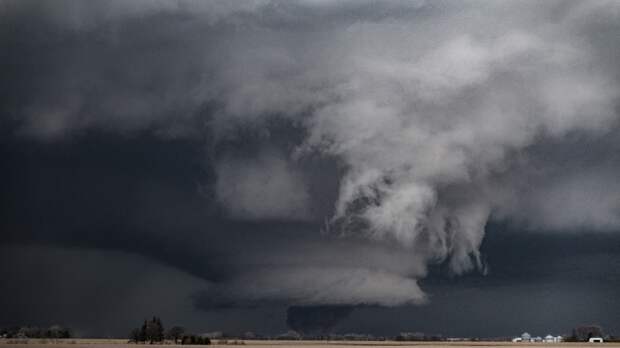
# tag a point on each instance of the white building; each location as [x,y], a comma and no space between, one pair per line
[526,337]
[596,340]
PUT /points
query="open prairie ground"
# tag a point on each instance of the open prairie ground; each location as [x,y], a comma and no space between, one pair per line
[121,343]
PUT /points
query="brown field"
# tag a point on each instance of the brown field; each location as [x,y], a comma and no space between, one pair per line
[121,343]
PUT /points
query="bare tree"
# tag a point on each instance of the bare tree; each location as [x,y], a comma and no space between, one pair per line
[134,335]
[154,330]
[584,333]
[175,333]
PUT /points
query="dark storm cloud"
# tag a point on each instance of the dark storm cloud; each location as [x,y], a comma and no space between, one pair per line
[540,283]
[221,138]
[317,319]
[96,292]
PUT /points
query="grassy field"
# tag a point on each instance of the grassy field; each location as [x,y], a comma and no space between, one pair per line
[114,343]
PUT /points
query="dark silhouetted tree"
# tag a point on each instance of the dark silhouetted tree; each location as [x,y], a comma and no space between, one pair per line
[57,331]
[196,340]
[160,330]
[175,333]
[134,335]
[143,332]
[584,333]
[154,330]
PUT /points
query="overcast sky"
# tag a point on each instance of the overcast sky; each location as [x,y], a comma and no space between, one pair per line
[445,167]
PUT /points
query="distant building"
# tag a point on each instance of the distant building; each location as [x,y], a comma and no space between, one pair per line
[552,339]
[596,340]
[526,337]
[212,335]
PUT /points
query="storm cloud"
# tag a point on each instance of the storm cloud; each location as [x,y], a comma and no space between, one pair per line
[309,152]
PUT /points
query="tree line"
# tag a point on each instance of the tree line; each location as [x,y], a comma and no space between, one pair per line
[152,331]
[54,331]
[584,333]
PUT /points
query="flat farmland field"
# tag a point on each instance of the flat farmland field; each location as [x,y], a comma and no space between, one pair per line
[121,343]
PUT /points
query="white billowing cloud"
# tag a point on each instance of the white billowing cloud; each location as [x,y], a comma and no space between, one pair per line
[312,286]
[412,117]
[265,187]
[408,128]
